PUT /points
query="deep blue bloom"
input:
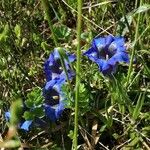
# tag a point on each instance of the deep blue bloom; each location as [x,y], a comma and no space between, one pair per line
[53,68]
[54,100]
[107,52]
[56,78]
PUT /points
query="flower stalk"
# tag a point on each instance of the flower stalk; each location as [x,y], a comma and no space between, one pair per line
[79,24]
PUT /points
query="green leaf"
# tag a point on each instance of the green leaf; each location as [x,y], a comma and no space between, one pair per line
[28,115]
[138,106]
[38,101]
[133,142]
[34,98]
[38,112]
[14,144]
[62,31]
[71,134]
[45,46]
[36,38]
[23,41]
[17,31]
[29,103]
[3,35]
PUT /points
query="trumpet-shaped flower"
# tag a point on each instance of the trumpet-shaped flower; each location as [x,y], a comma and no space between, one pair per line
[56,77]
[54,99]
[53,68]
[107,52]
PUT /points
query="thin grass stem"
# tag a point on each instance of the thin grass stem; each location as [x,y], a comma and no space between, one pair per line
[79,22]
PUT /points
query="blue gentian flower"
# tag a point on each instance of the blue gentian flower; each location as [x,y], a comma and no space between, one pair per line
[54,98]
[56,78]
[107,52]
[53,68]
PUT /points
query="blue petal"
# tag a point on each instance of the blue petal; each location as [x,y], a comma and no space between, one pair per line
[59,110]
[7,115]
[56,54]
[50,84]
[52,66]
[92,54]
[121,49]
[99,43]
[50,112]
[26,125]
[108,40]
[105,67]
[113,47]
[47,71]
[59,84]
[119,41]
[71,58]
[118,57]
[70,74]
[51,59]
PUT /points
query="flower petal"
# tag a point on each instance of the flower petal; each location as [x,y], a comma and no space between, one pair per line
[7,116]
[108,40]
[105,68]
[119,57]
[47,70]
[119,41]
[50,112]
[99,44]
[50,84]
[92,54]
[59,110]
[26,125]
[71,58]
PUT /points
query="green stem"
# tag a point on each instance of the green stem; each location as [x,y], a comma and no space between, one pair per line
[46,7]
[79,22]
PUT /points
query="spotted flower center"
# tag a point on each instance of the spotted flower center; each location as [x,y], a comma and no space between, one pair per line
[52,97]
[56,67]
